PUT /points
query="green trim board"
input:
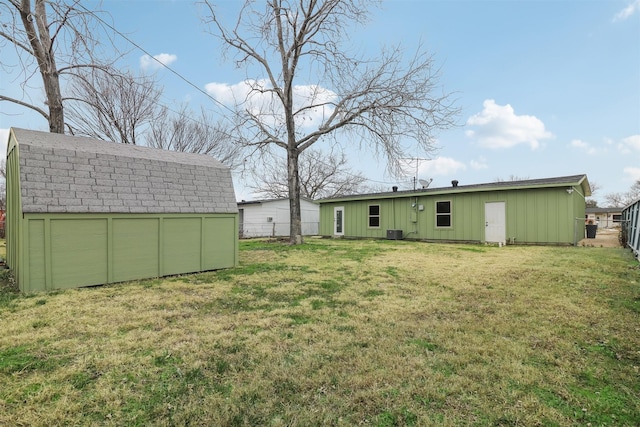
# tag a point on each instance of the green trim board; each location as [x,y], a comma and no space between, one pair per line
[547,211]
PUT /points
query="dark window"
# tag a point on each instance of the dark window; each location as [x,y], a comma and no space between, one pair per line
[374,215]
[617,218]
[443,214]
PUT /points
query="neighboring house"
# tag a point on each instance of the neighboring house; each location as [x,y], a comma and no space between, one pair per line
[604,217]
[84,212]
[536,211]
[270,218]
[631,226]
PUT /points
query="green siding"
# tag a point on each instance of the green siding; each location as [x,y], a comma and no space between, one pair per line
[182,245]
[533,215]
[216,250]
[135,248]
[78,252]
[36,245]
[72,250]
[14,208]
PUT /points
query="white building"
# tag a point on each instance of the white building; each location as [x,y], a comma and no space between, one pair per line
[270,218]
[604,217]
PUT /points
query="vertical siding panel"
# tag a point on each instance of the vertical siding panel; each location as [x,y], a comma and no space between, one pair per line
[217,233]
[135,248]
[181,245]
[78,252]
[13,217]
[35,277]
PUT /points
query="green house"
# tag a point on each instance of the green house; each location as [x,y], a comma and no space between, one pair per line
[536,211]
[83,212]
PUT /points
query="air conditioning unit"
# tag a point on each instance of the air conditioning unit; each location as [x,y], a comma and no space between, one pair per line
[394,234]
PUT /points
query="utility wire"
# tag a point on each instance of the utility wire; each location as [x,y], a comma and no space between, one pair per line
[136,45]
[205,93]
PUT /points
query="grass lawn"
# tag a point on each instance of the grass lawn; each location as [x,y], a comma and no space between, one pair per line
[337,332]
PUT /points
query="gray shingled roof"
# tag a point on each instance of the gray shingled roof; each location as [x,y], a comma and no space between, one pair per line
[61,173]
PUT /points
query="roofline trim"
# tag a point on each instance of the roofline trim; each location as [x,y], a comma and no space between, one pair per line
[474,188]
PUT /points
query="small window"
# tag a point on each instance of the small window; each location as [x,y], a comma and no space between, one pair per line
[617,218]
[374,216]
[443,214]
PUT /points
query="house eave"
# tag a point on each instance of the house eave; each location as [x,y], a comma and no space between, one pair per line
[572,181]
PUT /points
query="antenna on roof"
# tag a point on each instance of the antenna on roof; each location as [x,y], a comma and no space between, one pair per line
[425,183]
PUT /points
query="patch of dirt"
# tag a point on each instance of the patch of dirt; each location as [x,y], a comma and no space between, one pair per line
[605,238]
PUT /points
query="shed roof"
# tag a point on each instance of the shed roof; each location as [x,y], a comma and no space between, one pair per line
[61,173]
[572,180]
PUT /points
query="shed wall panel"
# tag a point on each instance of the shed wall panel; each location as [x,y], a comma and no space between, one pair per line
[135,248]
[181,244]
[78,252]
[36,268]
[72,250]
[217,233]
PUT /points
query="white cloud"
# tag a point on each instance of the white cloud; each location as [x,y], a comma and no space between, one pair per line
[498,126]
[441,166]
[257,98]
[584,146]
[627,11]
[576,143]
[148,63]
[479,164]
[629,144]
[632,173]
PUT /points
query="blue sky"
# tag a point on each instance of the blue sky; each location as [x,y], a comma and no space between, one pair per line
[546,88]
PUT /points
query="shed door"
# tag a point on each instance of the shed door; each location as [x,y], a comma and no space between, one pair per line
[495,227]
[338,221]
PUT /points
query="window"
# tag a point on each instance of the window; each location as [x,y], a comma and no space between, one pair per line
[443,214]
[374,215]
[617,218]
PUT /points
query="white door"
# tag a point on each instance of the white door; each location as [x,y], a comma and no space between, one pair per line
[338,221]
[495,229]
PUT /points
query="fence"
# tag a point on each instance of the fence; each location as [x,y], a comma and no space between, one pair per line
[274,229]
[631,226]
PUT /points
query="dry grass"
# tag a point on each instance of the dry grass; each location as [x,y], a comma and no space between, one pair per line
[337,333]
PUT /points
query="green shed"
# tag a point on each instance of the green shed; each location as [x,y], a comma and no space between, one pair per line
[84,212]
[535,211]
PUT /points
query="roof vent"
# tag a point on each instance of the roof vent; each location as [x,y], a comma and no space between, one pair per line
[454,182]
[394,188]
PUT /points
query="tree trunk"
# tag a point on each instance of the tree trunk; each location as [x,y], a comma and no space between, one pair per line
[295,216]
[40,40]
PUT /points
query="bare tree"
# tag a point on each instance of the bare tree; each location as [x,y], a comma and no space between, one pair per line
[592,203]
[512,178]
[624,199]
[184,131]
[321,176]
[389,104]
[52,38]
[111,106]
